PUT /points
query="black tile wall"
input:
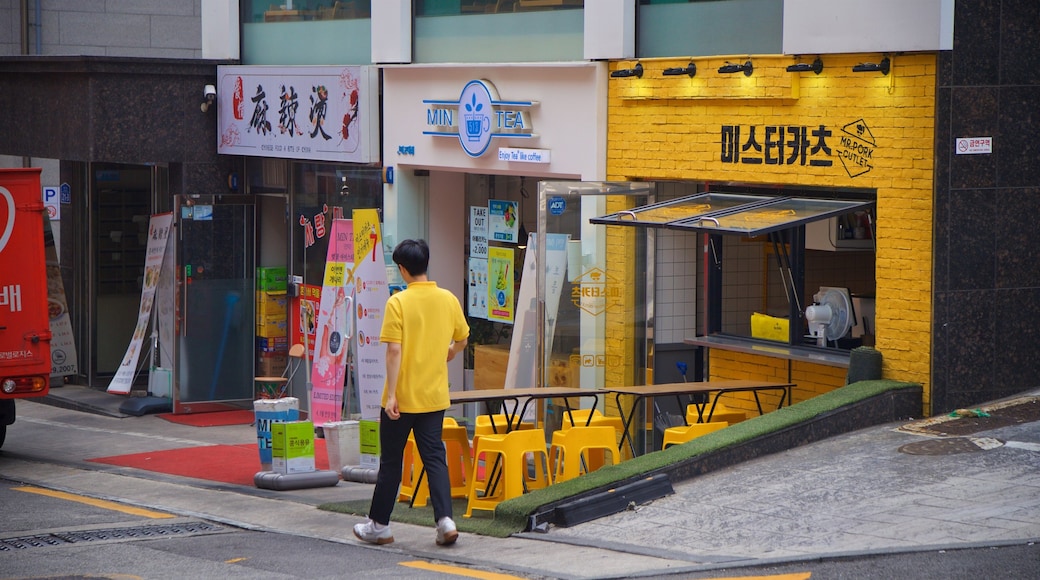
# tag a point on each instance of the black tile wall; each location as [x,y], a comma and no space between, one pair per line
[1017,262]
[987,207]
[974,115]
[976,48]
[1019,48]
[1018,148]
[971,221]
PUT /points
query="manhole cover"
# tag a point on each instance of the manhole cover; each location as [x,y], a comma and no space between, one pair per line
[1013,412]
[949,446]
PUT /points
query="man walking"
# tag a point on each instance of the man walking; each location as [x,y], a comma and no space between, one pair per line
[423,328]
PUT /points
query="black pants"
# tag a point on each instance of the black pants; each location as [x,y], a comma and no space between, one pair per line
[393,435]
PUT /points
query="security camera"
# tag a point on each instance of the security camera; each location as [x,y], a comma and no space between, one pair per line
[209,96]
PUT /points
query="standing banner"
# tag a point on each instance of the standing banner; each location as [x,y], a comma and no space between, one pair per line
[332,338]
[500,287]
[371,291]
[158,232]
[63,346]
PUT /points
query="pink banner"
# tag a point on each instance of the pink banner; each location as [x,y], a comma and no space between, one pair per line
[332,341]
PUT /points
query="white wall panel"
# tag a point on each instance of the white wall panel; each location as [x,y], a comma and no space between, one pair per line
[843,26]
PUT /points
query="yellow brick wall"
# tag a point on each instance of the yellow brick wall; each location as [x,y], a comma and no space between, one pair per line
[668,128]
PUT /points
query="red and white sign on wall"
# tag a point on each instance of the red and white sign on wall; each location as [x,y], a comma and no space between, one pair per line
[325,113]
[974,145]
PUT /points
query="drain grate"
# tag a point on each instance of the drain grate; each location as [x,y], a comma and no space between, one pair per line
[108,534]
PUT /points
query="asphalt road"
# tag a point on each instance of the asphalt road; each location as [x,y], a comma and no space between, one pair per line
[49,534]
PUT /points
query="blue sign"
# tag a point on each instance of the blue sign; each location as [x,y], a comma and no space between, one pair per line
[557,205]
[66,194]
[477,117]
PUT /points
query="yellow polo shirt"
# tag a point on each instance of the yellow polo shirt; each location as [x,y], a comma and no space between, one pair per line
[425,320]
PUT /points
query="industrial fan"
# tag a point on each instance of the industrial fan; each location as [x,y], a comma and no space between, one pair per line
[831,317]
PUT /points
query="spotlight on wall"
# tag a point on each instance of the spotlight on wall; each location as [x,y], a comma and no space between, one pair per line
[636,71]
[883,67]
[209,96]
[816,67]
[690,70]
[344,189]
[729,67]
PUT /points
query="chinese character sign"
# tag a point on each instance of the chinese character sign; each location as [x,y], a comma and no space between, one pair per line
[325,113]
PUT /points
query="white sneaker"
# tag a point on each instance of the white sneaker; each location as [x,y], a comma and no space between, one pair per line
[367,532]
[446,532]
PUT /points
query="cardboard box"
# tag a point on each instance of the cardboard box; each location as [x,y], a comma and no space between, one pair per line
[769,327]
[272,327]
[271,364]
[275,344]
[272,279]
[292,447]
[270,305]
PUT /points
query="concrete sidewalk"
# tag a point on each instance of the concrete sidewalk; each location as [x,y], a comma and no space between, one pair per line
[875,490]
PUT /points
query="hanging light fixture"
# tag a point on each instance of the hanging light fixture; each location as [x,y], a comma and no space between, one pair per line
[730,68]
[636,71]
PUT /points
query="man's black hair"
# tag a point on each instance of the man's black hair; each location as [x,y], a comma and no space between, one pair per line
[413,256]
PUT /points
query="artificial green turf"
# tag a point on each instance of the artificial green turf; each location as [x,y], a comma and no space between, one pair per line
[511,516]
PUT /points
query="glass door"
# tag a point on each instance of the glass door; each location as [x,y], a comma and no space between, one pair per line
[595,316]
[215,302]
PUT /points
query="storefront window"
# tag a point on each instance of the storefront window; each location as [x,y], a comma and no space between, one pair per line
[505,31]
[306,32]
[323,192]
[444,7]
[767,256]
[709,27]
[303,10]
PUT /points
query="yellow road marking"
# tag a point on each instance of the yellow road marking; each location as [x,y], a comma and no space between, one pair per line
[795,576]
[456,571]
[109,505]
[235,560]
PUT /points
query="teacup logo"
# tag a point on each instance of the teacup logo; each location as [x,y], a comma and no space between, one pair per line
[9,223]
[475,130]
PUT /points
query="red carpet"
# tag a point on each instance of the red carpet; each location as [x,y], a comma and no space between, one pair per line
[236,464]
[213,419]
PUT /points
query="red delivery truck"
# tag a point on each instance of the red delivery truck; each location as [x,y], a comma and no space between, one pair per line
[25,335]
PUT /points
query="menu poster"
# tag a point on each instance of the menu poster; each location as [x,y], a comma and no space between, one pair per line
[332,337]
[371,292]
[478,231]
[304,317]
[500,287]
[503,225]
[158,231]
[477,304]
[63,346]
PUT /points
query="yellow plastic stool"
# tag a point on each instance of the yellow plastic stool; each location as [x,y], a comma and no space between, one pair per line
[576,446]
[460,465]
[682,434]
[505,474]
[581,416]
[722,413]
